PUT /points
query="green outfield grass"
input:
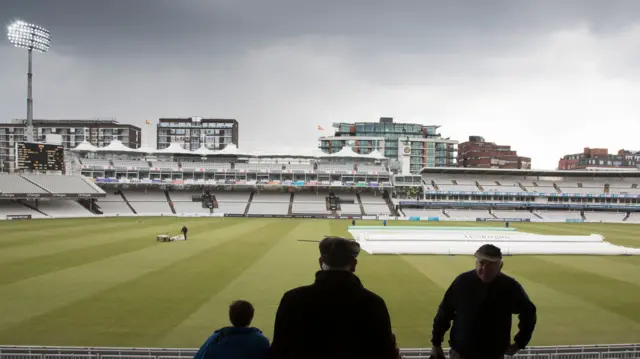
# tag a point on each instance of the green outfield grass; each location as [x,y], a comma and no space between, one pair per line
[107,282]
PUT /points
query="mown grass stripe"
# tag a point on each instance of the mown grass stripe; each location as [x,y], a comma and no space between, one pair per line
[125,241]
[603,266]
[63,241]
[619,297]
[567,319]
[152,304]
[51,236]
[256,284]
[38,295]
[35,226]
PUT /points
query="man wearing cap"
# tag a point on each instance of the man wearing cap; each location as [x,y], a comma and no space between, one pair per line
[335,317]
[480,303]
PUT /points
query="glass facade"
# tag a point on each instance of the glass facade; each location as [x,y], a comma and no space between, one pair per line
[428,148]
[193,133]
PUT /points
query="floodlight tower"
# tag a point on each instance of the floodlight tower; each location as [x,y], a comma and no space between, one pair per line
[30,37]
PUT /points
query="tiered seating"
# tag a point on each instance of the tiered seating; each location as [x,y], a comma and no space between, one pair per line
[299,167]
[374,204]
[62,184]
[463,185]
[113,204]
[310,203]
[10,183]
[559,215]
[372,168]
[183,202]
[149,201]
[124,164]
[232,202]
[165,165]
[8,207]
[63,208]
[634,218]
[542,186]
[334,167]
[624,187]
[414,212]
[350,209]
[587,188]
[206,166]
[468,213]
[259,166]
[514,214]
[604,216]
[96,163]
[270,203]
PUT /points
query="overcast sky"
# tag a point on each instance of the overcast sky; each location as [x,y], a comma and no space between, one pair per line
[547,77]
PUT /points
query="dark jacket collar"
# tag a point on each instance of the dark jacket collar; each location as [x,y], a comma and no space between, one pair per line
[337,277]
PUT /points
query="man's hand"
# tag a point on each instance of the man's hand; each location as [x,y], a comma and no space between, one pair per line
[512,350]
[437,353]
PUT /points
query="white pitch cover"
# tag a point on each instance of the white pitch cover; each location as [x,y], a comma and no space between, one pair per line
[465,241]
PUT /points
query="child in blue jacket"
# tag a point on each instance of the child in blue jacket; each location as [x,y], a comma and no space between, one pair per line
[239,341]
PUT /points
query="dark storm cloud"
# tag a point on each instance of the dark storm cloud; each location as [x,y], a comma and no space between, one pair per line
[94,28]
[517,72]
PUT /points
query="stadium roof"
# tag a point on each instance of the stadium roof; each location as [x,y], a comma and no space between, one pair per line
[539,173]
[174,148]
[229,150]
[86,146]
[114,146]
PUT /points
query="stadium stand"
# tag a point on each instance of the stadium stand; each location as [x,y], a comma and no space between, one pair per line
[183,202]
[374,205]
[113,204]
[270,203]
[304,202]
[232,202]
[12,207]
[62,208]
[61,184]
[147,201]
[467,214]
[245,184]
[10,183]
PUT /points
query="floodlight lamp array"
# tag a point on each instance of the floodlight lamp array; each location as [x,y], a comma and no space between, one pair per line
[29,36]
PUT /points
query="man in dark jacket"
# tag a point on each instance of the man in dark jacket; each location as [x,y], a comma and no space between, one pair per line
[335,317]
[184,232]
[480,303]
[239,341]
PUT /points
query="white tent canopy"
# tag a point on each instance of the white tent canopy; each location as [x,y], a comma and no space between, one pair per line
[116,146]
[376,155]
[203,151]
[232,150]
[345,152]
[85,146]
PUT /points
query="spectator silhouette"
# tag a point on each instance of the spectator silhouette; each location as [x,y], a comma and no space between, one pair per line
[239,341]
[335,317]
[480,303]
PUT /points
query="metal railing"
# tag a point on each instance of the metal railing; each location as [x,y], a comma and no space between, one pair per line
[605,351]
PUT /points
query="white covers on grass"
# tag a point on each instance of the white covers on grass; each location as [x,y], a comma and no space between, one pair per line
[466,240]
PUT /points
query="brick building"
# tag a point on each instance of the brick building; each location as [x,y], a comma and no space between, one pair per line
[599,158]
[477,153]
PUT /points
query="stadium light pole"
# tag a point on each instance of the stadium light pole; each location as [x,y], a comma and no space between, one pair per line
[33,38]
